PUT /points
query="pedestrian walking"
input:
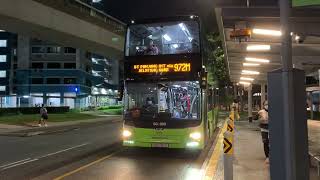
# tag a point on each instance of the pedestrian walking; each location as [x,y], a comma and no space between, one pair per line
[264,127]
[43,116]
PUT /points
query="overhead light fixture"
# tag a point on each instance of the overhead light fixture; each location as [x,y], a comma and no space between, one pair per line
[246,79]
[250,72]
[132,22]
[258,47]
[267,32]
[244,83]
[167,37]
[1,30]
[251,64]
[251,59]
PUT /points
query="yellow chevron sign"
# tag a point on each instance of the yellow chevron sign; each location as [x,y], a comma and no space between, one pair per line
[227,145]
[230,128]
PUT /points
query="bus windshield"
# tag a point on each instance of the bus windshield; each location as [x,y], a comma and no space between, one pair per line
[177,100]
[163,38]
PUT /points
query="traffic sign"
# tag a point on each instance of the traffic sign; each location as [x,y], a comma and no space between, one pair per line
[305,2]
[227,145]
[230,128]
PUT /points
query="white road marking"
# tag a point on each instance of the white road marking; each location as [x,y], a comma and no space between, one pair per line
[28,160]
[25,162]
[14,163]
[64,150]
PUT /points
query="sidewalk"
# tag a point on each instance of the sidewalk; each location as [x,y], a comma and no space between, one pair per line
[249,157]
[33,129]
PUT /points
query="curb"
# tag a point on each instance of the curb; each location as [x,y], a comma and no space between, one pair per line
[57,129]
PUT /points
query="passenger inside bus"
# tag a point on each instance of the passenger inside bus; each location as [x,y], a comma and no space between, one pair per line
[153,49]
[173,100]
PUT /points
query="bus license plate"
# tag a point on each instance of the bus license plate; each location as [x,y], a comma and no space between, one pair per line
[160,145]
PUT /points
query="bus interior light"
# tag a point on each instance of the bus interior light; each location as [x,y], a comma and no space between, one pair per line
[167,37]
[182,26]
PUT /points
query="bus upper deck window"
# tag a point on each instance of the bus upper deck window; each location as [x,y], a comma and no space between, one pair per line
[163,38]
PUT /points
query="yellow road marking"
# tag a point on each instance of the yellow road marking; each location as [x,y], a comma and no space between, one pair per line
[214,160]
[85,166]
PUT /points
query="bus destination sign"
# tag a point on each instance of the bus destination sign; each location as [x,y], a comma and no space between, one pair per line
[162,68]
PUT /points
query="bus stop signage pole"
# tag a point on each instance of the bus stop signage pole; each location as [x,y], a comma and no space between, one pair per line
[287,112]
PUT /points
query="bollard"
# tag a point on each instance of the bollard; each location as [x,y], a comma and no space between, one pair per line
[228,155]
[230,126]
[231,116]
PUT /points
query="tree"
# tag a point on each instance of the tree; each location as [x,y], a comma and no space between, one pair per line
[218,75]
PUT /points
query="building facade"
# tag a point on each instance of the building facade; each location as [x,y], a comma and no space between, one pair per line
[41,72]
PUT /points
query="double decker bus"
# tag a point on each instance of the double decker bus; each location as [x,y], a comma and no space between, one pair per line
[165,93]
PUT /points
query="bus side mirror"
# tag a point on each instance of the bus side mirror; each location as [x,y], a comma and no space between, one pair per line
[204,79]
[120,92]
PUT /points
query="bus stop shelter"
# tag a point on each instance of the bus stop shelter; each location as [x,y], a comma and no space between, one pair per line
[253,45]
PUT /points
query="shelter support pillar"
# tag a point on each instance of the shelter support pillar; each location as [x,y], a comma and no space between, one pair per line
[250,103]
[263,94]
[311,105]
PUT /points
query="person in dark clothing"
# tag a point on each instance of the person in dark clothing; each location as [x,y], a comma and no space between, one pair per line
[264,127]
[43,116]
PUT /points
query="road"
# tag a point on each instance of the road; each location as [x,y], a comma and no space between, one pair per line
[29,157]
[97,151]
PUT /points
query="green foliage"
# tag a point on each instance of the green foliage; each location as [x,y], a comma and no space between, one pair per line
[218,75]
[110,107]
[112,111]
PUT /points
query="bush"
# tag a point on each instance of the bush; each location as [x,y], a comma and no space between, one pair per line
[113,111]
[110,107]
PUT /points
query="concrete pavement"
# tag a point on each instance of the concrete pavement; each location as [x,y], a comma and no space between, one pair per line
[249,157]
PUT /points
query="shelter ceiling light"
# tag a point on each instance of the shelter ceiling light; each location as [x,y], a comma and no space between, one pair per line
[244,83]
[251,59]
[250,72]
[258,47]
[246,79]
[251,64]
[268,32]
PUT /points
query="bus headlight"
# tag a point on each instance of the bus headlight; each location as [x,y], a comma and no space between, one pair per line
[195,136]
[126,133]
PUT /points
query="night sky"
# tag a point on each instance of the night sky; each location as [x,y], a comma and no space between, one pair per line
[142,9]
